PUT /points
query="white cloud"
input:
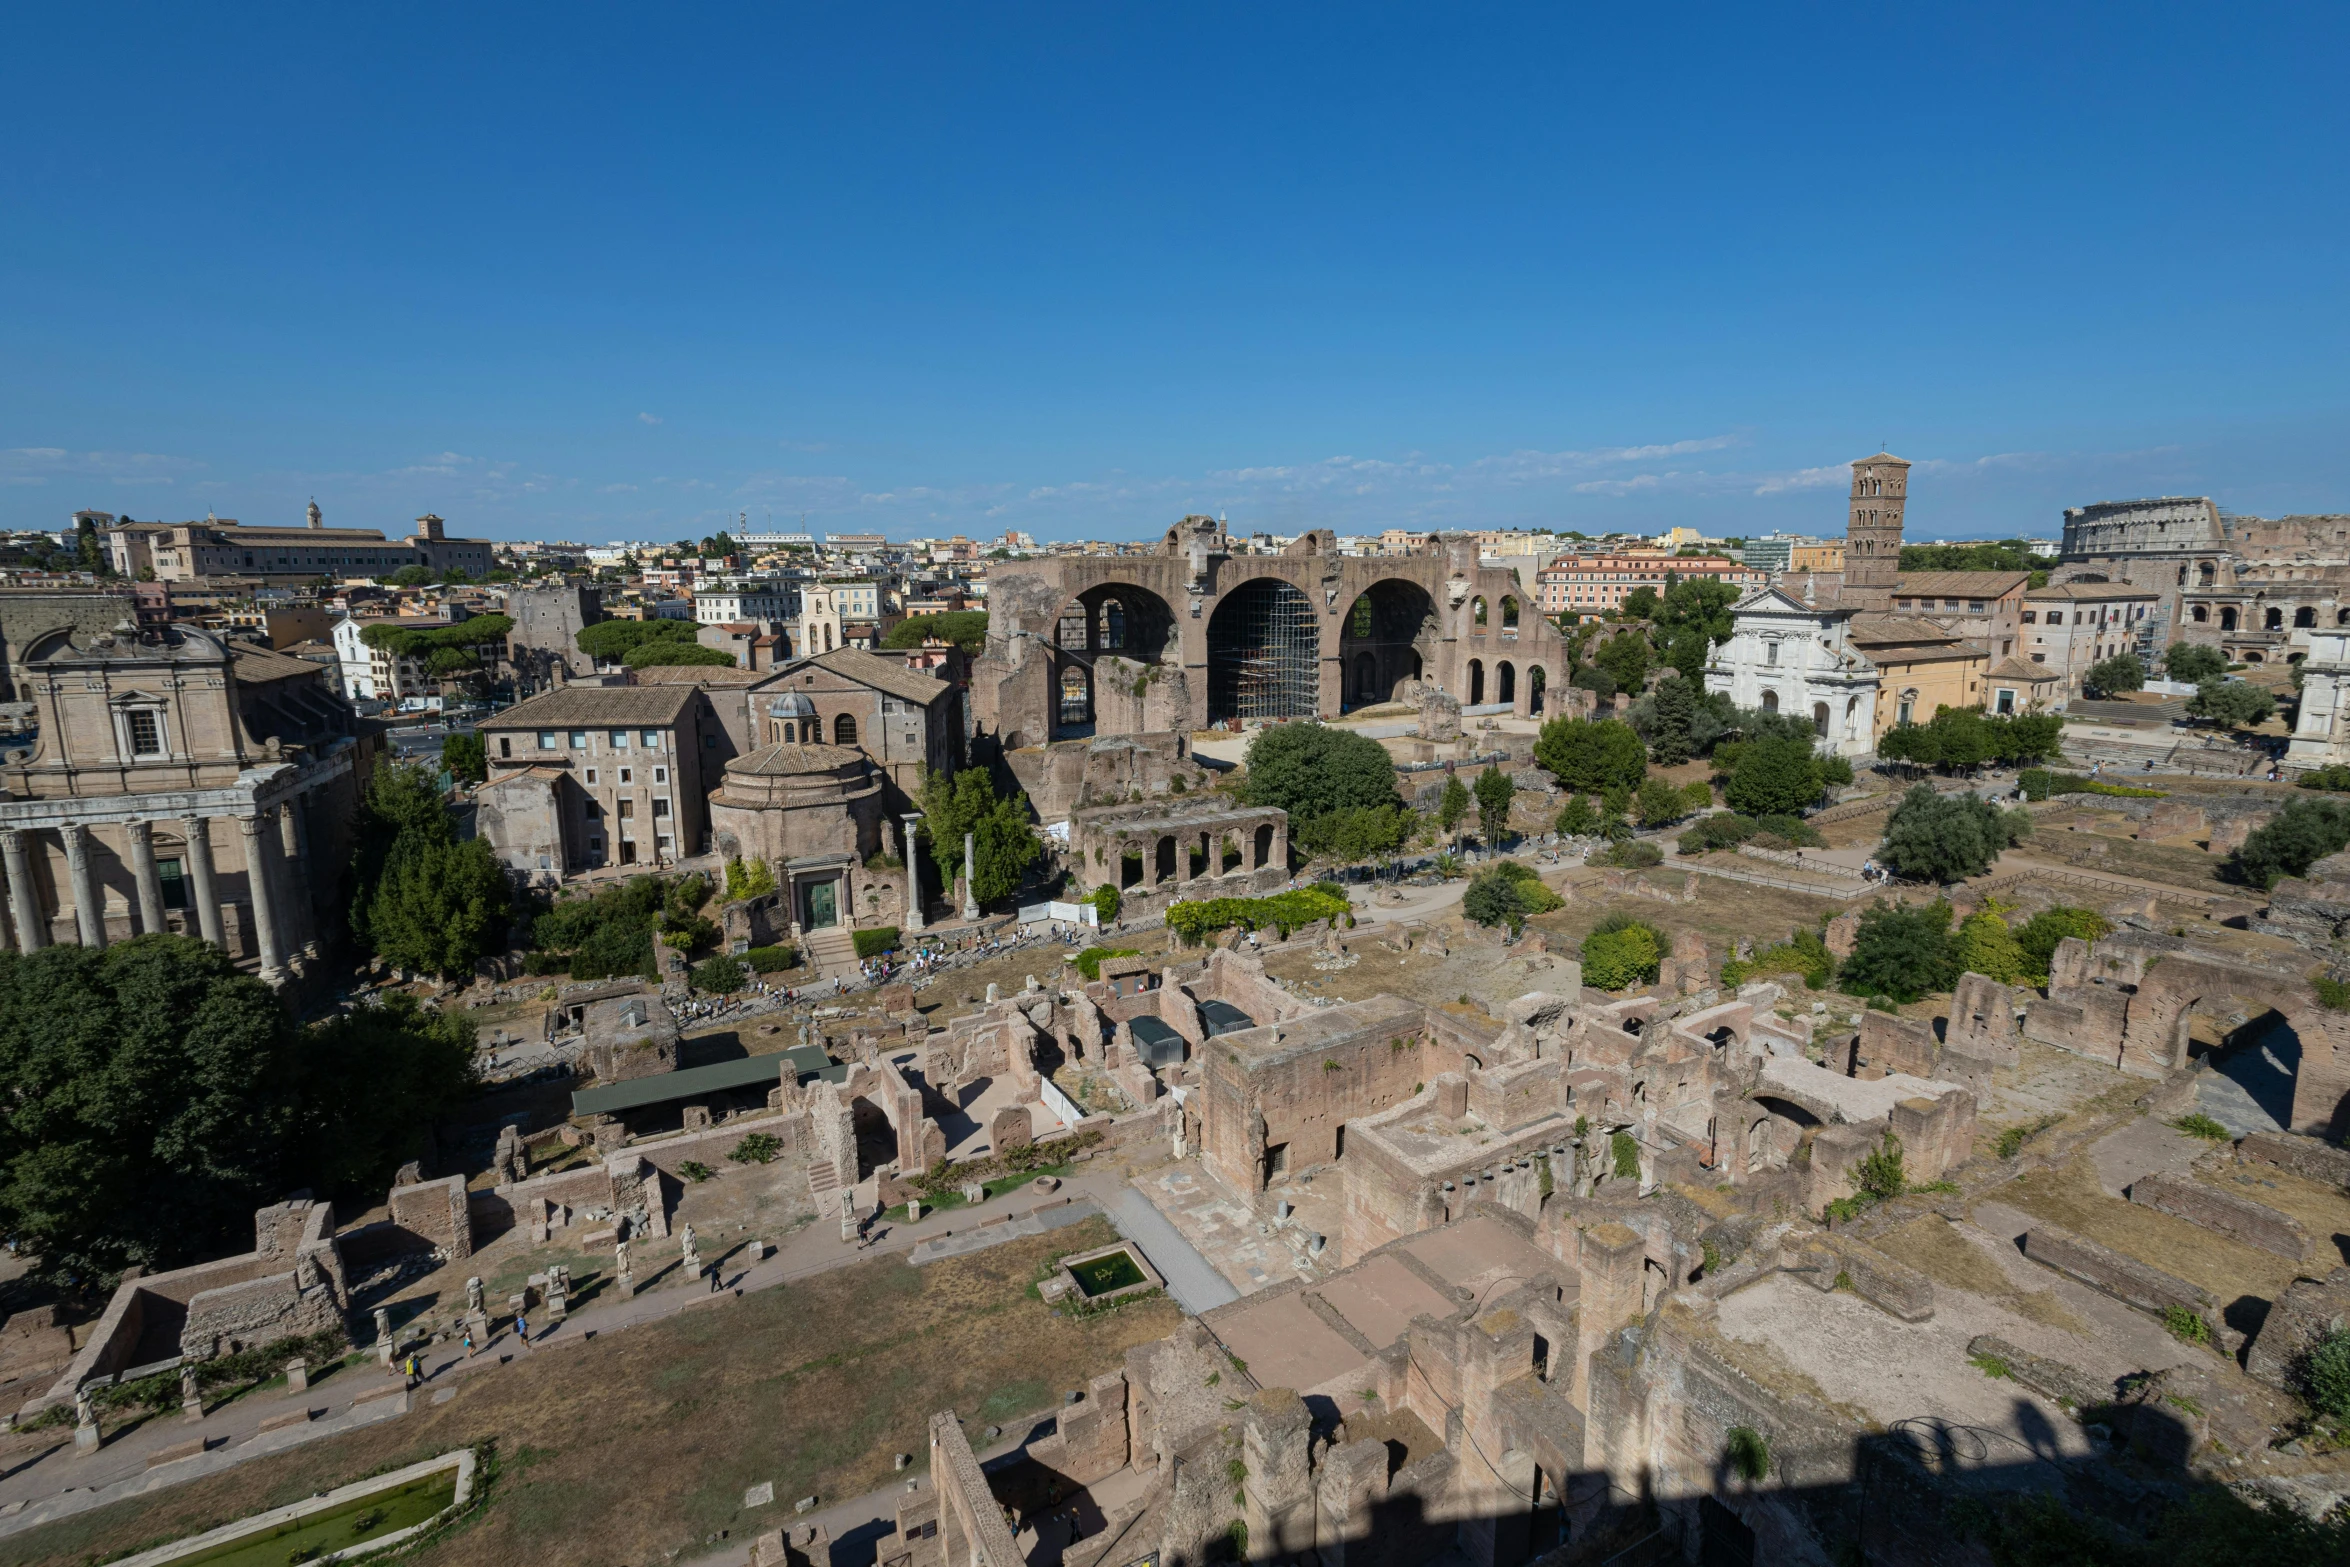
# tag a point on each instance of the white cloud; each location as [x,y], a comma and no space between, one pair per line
[648,418]
[1834,476]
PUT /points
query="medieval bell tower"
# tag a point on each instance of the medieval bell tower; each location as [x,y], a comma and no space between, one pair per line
[1872,532]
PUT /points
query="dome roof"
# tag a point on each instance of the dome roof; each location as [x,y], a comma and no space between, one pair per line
[785,760]
[791,705]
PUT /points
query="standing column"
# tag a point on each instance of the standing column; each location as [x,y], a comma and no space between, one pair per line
[200,873]
[300,907]
[257,879]
[89,915]
[24,899]
[143,872]
[913,874]
[970,862]
[1183,861]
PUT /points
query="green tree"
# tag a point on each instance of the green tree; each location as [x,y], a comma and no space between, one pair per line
[1640,603]
[1665,718]
[1625,658]
[2185,661]
[1576,818]
[720,975]
[2297,837]
[2116,676]
[1591,756]
[1658,802]
[1507,893]
[2232,704]
[671,652]
[1454,806]
[1945,837]
[611,641]
[1902,952]
[751,878]
[964,628]
[370,1085]
[1358,833]
[423,899]
[466,756]
[1005,844]
[1308,769]
[412,577]
[1777,775]
[1494,792]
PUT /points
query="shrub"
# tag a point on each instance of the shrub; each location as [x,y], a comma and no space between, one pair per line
[696,1171]
[1506,894]
[2334,778]
[1659,803]
[1576,818]
[1632,855]
[1591,756]
[748,879]
[719,976]
[2332,994]
[2203,1126]
[757,1148]
[1089,962]
[1722,830]
[1626,1151]
[2300,835]
[2186,1326]
[2045,929]
[2325,1374]
[1986,946]
[1621,952]
[1283,911]
[1748,1453]
[1106,902]
[873,943]
[1803,952]
[2039,783]
[768,960]
[1880,1176]
[1793,830]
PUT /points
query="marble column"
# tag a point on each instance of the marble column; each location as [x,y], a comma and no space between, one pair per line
[89,915]
[142,836]
[913,873]
[299,908]
[970,864]
[256,830]
[24,899]
[201,886]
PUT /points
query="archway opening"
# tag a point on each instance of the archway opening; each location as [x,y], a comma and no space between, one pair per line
[1819,719]
[2227,619]
[1505,683]
[2275,620]
[1075,717]
[2255,1055]
[1264,654]
[1770,701]
[1390,623]
[2306,615]
[1509,614]
[1476,682]
[1537,683]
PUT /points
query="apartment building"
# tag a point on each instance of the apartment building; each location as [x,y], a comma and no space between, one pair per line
[1593,584]
[588,776]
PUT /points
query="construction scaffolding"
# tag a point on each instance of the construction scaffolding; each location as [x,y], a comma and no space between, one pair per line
[1264,652]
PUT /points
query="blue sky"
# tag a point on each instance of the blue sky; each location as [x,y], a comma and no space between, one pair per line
[625,272]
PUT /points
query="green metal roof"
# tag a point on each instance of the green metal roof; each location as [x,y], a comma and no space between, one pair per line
[691,1083]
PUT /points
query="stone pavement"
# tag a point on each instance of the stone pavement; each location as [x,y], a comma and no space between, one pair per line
[54,1483]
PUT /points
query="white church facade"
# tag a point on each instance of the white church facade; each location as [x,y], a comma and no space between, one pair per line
[1785,656]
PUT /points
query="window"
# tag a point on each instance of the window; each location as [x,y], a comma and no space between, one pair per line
[2031,617]
[844,730]
[146,734]
[505,745]
[625,775]
[660,809]
[2056,617]
[591,775]
[666,846]
[594,811]
[628,810]
[175,883]
[1975,606]
[619,739]
[709,742]
[1771,652]
[579,739]
[2039,658]
[650,739]
[660,775]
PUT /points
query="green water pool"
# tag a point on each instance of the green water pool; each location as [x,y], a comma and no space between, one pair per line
[1101,1276]
[353,1523]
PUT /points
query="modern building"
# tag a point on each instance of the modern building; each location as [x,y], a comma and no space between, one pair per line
[584,777]
[218,548]
[2070,626]
[1982,606]
[1593,584]
[726,602]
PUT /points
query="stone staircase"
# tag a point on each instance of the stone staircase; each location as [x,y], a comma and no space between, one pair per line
[823,1181]
[831,951]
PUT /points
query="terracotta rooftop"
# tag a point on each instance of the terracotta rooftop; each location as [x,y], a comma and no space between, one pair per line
[596,706]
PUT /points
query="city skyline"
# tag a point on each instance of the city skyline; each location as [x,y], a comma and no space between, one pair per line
[1081,275]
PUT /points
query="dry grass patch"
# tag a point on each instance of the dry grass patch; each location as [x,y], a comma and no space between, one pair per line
[640,1445]
[1930,1245]
[2325,1209]
[2068,1195]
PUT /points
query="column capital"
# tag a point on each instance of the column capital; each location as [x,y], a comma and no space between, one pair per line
[140,831]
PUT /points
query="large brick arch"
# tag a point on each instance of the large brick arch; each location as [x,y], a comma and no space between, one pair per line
[2177,985]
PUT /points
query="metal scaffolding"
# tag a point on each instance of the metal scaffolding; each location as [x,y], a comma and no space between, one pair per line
[1264,652]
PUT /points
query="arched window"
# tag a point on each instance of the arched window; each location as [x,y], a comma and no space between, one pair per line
[1113,626]
[1070,633]
[1359,618]
[2206,573]
[2227,619]
[1537,681]
[1477,609]
[1476,681]
[2306,615]
[1509,614]
[1366,676]
[1075,706]
[1819,719]
[2201,614]
[2342,617]
[1909,706]
[844,730]
[1505,683]
[1770,701]
[2276,619]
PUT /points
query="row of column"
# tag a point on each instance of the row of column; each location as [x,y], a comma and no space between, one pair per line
[266,835]
[1211,842]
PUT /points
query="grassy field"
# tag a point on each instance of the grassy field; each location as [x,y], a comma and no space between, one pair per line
[629,1449]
